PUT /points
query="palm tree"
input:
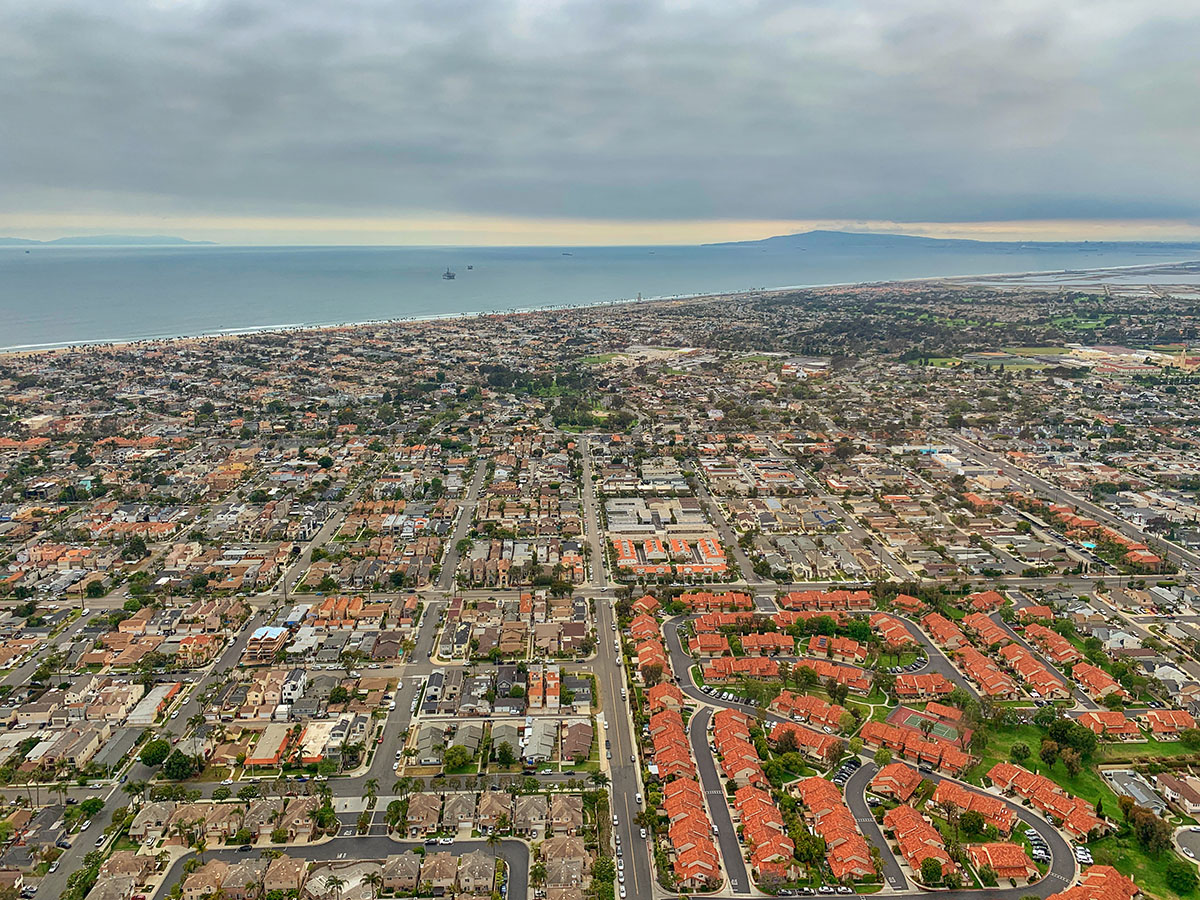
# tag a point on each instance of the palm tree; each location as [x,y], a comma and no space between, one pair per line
[201,845]
[600,779]
[335,884]
[375,880]
[371,788]
[493,839]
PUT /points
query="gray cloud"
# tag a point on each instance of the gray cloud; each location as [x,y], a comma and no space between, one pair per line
[929,110]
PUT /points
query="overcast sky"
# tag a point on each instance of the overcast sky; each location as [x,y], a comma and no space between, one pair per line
[447,121]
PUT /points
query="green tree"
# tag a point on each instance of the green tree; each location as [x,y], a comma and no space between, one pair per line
[1180,877]
[972,823]
[1020,752]
[179,766]
[155,753]
[931,871]
[883,756]
[1049,752]
[505,755]
[456,757]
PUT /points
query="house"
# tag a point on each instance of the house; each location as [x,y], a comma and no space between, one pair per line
[493,805]
[459,810]
[130,863]
[243,879]
[402,872]
[440,871]
[916,838]
[206,881]
[1100,883]
[896,780]
[529,814]
[1006,860]
[566,813]
[286,873]
[1111,724]
[1183,792]
[151,821]
[1098,683]
[424,812]
[476,872]
[1168,724]
[995,811]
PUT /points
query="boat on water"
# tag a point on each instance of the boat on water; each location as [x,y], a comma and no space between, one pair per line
[470,267]
[448,275]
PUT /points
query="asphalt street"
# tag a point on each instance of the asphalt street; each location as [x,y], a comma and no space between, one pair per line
[718,806]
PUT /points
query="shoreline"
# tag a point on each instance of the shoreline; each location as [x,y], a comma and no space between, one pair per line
[84,346]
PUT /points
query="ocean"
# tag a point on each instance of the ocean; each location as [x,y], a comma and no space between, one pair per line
[65,295]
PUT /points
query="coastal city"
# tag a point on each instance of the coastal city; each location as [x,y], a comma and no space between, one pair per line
[853,590]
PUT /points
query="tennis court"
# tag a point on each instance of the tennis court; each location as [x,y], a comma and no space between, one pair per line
[911,718]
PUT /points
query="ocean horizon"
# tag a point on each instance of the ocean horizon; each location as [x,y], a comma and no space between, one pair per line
[61,296]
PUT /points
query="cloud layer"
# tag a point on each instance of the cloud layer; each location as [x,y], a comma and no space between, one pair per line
[920,110]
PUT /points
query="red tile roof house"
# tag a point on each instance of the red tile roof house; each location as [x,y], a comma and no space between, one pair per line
[1100,883]
[1056,647]
[895,633]
[914,686]
[644,627]
[917,839]
[951,714]
[1035,613]
[846,852]
[664,696]
[995,811]
[1033,673]
[990,679]
[819,747]
[986,601]
[839,648]
[682,798]
[944,632]
[725,668]
[1007,861]
[1098,683]
[645,604]
[896,780]
[709,645]
[856,680]
[908,603]
[989,632]
[1166,724]
[807,708]
[715,621]
[770,642]
[1076,815]
[1111,724]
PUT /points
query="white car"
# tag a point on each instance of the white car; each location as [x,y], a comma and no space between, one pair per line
[227,781]
[615,822]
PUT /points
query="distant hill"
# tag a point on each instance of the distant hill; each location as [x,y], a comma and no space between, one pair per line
[833,241]
[103,240]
